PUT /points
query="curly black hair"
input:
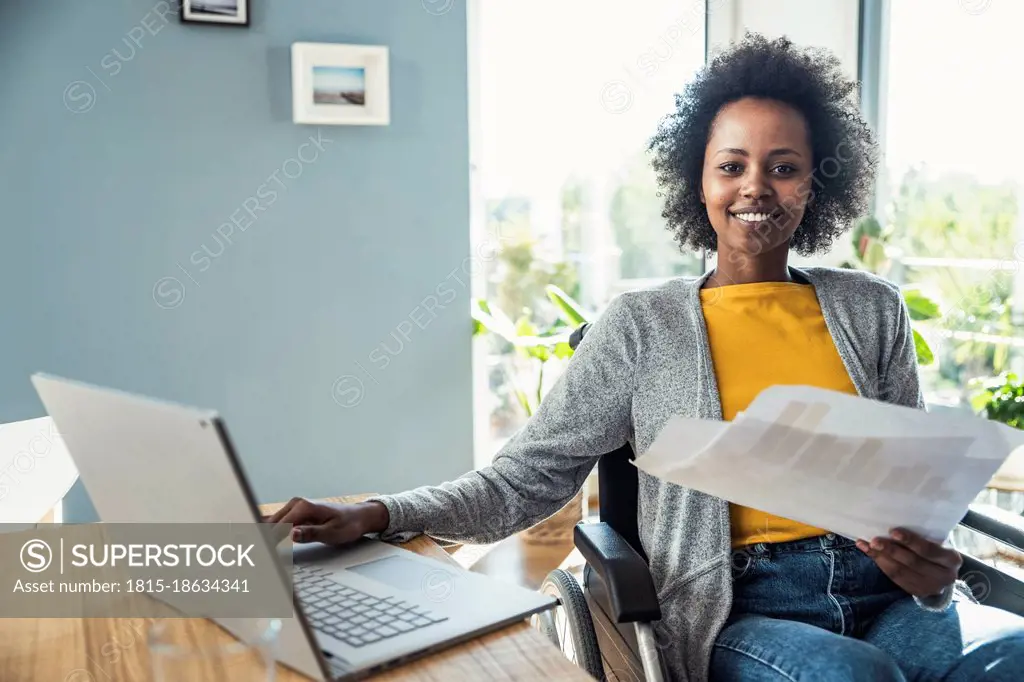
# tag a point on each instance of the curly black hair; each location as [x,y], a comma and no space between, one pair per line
[812,81]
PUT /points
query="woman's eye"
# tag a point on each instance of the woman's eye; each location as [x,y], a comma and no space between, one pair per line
[730,167]
[785,169]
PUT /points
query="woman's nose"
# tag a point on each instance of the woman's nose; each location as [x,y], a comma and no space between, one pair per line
[756,188]
[755,184]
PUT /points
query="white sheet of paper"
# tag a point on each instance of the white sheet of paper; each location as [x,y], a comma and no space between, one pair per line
[36,470]
[854,466]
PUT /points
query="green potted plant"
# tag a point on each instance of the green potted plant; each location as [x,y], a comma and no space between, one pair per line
[1000,398]
[529,341]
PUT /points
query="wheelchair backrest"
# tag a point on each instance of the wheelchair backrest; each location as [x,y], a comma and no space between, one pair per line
[617,482]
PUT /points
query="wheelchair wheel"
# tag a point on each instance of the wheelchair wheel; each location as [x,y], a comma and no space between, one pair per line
[568,625]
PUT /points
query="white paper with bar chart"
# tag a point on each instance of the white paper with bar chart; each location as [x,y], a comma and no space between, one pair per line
[854,466]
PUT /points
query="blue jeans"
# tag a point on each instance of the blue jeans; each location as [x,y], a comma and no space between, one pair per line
[821,610]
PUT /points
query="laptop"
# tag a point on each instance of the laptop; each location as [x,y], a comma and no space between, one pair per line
[144,460]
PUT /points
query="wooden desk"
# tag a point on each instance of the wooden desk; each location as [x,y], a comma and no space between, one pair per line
[114,649]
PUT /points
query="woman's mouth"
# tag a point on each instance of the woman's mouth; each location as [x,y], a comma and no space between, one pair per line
[754,218]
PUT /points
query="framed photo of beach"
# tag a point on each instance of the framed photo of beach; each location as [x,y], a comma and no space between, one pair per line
[231,12]
[335,84]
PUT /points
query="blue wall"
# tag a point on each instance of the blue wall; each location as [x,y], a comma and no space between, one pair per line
[128,139]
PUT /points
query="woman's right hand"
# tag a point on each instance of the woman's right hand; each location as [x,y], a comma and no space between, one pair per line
[331,523]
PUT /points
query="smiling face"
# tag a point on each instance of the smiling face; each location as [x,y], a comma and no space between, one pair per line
[756,178]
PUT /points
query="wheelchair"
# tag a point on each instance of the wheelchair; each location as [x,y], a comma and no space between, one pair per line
[605,625]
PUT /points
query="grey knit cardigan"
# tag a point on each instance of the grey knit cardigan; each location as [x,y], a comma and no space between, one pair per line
[644,360]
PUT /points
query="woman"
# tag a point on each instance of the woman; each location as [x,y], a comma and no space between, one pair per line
[766,153]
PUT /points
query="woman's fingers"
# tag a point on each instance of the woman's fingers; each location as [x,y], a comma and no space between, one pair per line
[905,575]
[328,533]
[910,560]
[302,513]
[299,510]
[280,513]
[313,522]
[928,550]
[908,569]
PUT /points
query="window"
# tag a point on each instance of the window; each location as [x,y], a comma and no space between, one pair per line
[951,197]
[952,186]
[569,94]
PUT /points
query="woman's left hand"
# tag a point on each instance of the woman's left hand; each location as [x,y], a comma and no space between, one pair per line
[921,567]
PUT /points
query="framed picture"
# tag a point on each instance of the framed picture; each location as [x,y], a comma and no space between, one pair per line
[335,84]
[231,12]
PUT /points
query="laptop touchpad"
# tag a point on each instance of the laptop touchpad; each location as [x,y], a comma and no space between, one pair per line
[406,574]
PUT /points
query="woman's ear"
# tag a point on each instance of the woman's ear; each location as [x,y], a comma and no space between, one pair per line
[700,192]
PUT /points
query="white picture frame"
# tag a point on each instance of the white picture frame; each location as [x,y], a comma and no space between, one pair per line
[338,84]
[230,12]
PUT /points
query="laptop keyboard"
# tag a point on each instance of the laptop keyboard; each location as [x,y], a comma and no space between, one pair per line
[355,617]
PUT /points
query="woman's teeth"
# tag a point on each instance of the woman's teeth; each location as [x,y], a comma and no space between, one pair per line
[753,217]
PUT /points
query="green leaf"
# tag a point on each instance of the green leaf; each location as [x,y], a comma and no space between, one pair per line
[924,351]
[524,402]
[871,227]
[864,232]
[557,329]
[874,255]
[921,306]
[522,334]
[545,341]
[563,350]
[540,385]
[542,353]
[571,311]
[980,400]
[493,321]
[524,327]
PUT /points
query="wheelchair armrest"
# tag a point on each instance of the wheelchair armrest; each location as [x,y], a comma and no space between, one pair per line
[996,523]
[624,572]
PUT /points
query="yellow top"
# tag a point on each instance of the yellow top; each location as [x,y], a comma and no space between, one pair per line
[762,334]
